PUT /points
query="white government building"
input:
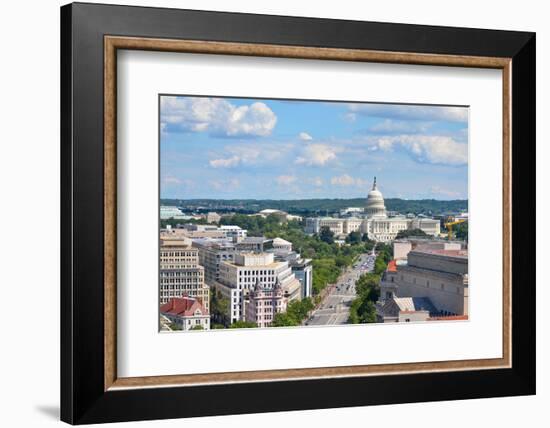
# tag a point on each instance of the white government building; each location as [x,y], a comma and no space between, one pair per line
[374,221]
[240,276]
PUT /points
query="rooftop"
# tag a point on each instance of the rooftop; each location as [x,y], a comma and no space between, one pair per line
[449,318]
[254,240]
[281,241]
[413,304]
[442,252]
[183,306]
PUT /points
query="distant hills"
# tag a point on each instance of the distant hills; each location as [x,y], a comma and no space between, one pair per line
[316,206]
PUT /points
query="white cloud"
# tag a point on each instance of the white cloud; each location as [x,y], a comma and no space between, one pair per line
[249,154]
[171,180]
[304,136]
[285,180]
[175,182]
[350,117]
[316,181]
[317,155]
[409,112]
[389,126]
[434,149]
[217,116]
[343,180]
[225,163]
[346,180]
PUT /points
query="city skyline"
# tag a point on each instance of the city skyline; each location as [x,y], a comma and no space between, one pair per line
[237,148]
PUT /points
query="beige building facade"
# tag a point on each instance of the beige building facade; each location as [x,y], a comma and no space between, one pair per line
[439,275]
[180,271]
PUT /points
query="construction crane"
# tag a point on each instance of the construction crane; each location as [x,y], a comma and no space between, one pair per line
[449,225]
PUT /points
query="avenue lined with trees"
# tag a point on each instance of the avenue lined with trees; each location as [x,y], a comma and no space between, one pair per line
[329,260]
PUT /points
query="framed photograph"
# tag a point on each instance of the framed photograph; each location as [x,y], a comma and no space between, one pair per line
[266,213]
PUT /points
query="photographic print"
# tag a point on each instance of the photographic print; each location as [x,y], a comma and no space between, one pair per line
[301,213]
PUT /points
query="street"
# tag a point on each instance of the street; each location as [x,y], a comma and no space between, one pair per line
[334,309]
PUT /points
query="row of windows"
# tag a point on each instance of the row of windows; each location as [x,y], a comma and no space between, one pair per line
[262,279]
[175,266]
[180,274]
[178,253]
[181,281]
[182,285]
[265,318]
[256,272]
[431,285]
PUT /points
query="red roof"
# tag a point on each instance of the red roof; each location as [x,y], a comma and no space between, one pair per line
[392,266]
[183,306]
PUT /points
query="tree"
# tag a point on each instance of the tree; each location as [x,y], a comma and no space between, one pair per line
[197,327]
[362,308]
[174,326]
[379,265]
[367,312]
[326,235]
[299,309]
[243,324]
[411,232]
[461,231]
[219,307]
[385,251]
[354,238]
[368,286]
[284,319]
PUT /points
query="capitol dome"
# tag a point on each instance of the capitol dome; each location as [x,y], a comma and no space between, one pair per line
[375,203]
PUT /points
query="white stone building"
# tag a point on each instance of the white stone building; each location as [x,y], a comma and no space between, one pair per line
[168,212]
[233,232]
[375,221]
[301,267]
[237,278]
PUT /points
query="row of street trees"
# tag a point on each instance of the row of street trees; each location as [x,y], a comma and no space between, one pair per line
[362,309]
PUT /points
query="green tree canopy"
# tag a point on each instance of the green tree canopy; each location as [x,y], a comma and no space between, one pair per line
[243,324]
[460,231]
[197,327]
[326,235]
[354,237]
[284,319]
[411,232]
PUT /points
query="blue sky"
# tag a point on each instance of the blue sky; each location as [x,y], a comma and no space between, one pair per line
[225,148]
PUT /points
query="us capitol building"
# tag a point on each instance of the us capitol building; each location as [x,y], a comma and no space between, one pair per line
[373,220]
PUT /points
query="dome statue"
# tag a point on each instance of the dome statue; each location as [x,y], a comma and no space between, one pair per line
[375,203]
